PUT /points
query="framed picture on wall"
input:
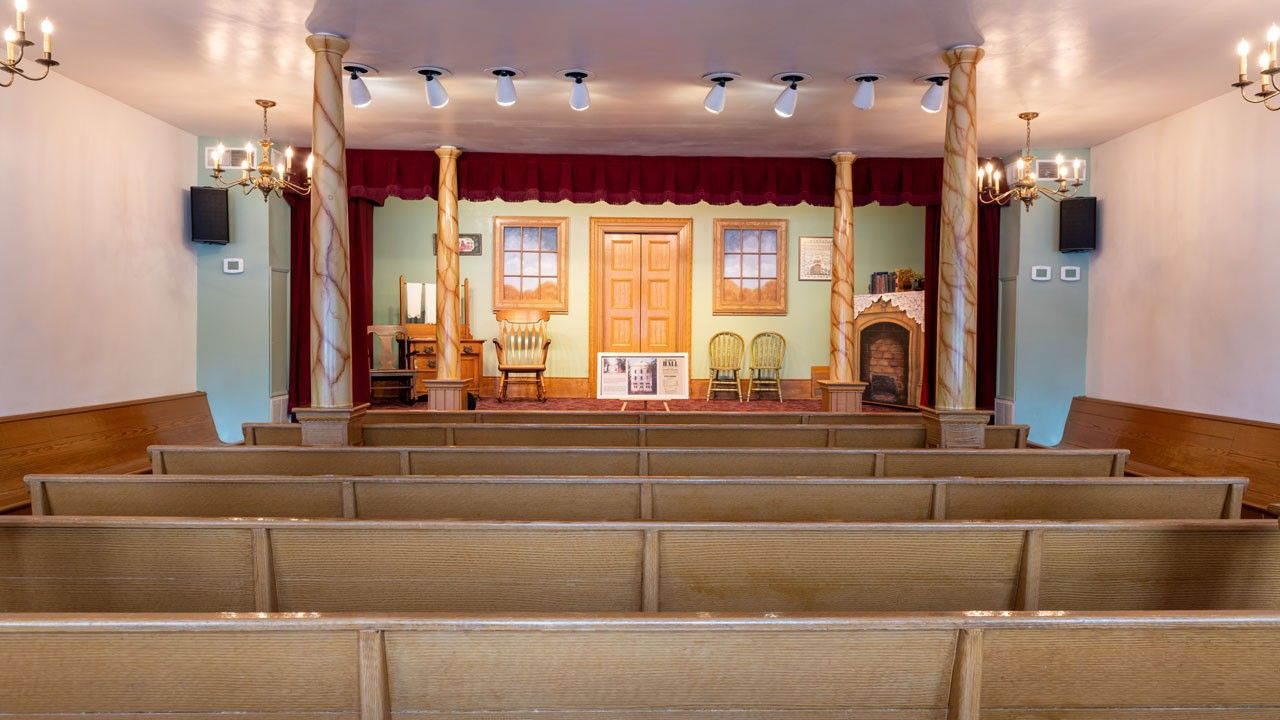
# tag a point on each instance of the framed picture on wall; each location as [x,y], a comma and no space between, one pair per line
[815,258]
[468,244]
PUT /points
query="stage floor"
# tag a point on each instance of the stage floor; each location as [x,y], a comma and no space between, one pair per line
[589,404]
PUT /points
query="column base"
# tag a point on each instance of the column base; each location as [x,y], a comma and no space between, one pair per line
[446,394]
[331,427]
[955,428]
[841,397]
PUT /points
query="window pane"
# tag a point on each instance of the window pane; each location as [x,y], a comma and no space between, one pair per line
[530,287]
[750,241]
[732,291]
[511,238]
[510,287]
[529,265]
[531,238]
[768,266]
[751,291]
[768,291]
[732,266]
[511,263]
[732,241]
[549,239]
[550,289]
[769,241]
[750,266]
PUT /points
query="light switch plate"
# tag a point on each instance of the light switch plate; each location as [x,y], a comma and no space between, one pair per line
[1041,273]
[1069,273]
[233,266]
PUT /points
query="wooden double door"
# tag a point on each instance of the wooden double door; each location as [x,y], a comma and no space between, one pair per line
[640,276]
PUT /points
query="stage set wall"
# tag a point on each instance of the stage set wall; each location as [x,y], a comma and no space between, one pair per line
[97,278]
[886,238]
[1184,298]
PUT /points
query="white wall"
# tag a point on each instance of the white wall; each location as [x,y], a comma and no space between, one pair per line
[1184,302]
[97,277]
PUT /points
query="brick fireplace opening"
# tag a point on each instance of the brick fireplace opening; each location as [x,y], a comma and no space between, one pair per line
[884,363]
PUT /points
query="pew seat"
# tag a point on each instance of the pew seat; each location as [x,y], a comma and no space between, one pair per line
[625,462]
[962,666]
[100,438]
[79,564]
[653,498]
[1175,443]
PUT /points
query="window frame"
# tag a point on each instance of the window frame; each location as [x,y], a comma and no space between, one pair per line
[720,304]
[557,305]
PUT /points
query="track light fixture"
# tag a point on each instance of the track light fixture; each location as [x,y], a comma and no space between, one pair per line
[714,103]
[579,96]
[935,94]
[360,96]
[506,92]
[785,105]
[864,98]
[437,96]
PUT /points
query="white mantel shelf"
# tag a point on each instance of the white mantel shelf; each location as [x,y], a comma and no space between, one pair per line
[911,303]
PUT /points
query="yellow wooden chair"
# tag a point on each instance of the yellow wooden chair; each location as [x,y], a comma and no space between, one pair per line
[522,350]
[725,351]
[764,374]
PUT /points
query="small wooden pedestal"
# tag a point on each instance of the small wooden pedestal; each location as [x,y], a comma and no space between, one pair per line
[841,397]
[446,394]
[955,428]
[331,427]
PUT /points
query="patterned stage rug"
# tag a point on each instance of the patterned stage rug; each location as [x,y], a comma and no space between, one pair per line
[591,404]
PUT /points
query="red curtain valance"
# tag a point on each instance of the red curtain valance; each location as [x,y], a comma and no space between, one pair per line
[411,174]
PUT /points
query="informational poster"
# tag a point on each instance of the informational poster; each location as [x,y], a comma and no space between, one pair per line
[642,376]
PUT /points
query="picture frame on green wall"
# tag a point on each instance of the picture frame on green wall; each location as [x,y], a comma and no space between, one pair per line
[468,244]
[815,258]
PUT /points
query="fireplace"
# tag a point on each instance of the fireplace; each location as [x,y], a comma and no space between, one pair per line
[890,346]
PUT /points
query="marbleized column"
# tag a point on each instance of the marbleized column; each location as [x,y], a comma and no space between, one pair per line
[842,392]
[331,419]
[954,421]
[446,392]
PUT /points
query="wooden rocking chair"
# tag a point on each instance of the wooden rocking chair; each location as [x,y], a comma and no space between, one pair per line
[764,374]
[522,350]
[725,360]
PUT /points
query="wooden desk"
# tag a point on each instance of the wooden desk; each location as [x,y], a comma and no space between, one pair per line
[424,362]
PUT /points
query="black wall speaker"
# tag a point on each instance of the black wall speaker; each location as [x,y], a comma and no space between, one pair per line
[209,217]
[1078,224]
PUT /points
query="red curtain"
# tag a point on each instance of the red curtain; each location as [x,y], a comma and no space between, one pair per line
[360,227]
[988,302]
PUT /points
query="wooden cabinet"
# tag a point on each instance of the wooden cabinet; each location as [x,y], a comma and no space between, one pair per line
[424,362]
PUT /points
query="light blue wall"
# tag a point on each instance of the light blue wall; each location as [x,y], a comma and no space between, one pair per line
[233,317]
[1045,327]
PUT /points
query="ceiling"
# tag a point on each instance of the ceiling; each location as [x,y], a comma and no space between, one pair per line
[1094,69]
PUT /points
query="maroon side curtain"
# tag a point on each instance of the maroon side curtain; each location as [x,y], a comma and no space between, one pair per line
[360,227]
[988,302]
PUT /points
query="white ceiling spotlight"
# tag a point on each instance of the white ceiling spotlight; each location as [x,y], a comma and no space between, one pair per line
[864,98]
[579,96]
[715,96]
[437,96]
[506,93]
[359,92]
[935,94]
[785,105]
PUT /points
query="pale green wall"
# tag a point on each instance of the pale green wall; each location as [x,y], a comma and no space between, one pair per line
[234,333]
[886,238]
[1045,334]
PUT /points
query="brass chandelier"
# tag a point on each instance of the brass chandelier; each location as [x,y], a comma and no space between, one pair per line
[16,44]
[1268,66]
[1027,185]
[264,177]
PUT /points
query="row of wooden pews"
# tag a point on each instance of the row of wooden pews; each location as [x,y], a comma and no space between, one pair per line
[639,566]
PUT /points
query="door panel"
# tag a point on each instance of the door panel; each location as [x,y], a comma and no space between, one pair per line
[622,293]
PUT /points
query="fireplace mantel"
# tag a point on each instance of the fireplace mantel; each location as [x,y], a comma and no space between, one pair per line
[911,303]
[900,357]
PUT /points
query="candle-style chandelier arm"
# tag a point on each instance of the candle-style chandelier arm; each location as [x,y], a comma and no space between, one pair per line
[1259,98]
[264,176]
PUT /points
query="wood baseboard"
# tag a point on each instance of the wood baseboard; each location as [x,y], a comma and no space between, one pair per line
[571,387]
[792,389]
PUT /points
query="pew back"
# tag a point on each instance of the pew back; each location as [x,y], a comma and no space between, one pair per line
[627,462]
[653,498]
[73,564]
[1087,666]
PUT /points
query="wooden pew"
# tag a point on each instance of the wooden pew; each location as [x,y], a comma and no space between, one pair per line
[629,462]
[1024,666]
[875,436]
[100,438]
[77,564]
[1172,442]
[653,498]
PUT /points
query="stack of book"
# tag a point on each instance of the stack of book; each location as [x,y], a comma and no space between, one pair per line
[883,282]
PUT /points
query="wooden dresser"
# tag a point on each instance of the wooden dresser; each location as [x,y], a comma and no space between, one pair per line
[424,360]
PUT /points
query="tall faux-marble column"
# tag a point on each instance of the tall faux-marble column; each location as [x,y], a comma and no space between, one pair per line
[447,390]
[331,419]
[954,421]
[842,392]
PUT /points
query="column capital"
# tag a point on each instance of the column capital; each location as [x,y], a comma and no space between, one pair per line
[328,42]
[843,158]
[962,54]
[448,151]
